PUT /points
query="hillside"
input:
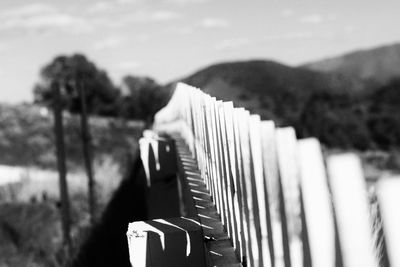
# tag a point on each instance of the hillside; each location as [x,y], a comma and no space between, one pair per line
[378,65]
[341,111]
[273,90]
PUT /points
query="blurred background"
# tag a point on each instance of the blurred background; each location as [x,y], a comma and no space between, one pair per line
[331,69]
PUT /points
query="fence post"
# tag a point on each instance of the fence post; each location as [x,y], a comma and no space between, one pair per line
[260,210]
[350,202]
[290,195]
[389,199]
[271,189]
[247,188]
[316,204]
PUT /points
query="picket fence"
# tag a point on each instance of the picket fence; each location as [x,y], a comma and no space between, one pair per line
[281,202]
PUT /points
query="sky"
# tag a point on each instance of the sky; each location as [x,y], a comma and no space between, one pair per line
[169,39]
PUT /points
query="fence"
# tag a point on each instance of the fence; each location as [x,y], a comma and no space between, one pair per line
[281,203]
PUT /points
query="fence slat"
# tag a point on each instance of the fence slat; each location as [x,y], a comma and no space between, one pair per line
[242,223]
[317,204]
[228,109]
[227,170]
[290,195]
[271,188]
[260,210]
[350,202]
[247,188]
[389,199]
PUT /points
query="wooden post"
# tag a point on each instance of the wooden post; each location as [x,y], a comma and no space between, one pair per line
[317,207]
[351,209]
[389,199]
[286,145]
[271,189]
[87,157]
[59,134]
[259,196]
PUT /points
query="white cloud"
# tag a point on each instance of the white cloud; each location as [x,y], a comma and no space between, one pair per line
[109,42]
[127,65]
[145,16]
[184,30]
[3,47]
[349,29]
[27,10]
[287,13]
[38,17]
[312,19]
[187,1]
[100,7]
[214,23]
[290,36]
[163,15]
[232,43]
[128,1]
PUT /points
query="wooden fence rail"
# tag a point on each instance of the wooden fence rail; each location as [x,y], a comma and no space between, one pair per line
[280,201]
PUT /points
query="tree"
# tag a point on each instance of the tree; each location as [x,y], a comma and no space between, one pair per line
[144,97]
[336,119]
[85,89]
[72,71]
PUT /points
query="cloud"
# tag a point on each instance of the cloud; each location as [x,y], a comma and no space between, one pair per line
[128,1]
[312,19]
[232,43]
[111,5]
[214,23]
[27,10]
[127,65]
[3,47]
[109,42]
[100,7]
[287,13]
[182,2]
[145,16]
[349,29]
[39,17]
[185,30]
[163,15]
[290,36]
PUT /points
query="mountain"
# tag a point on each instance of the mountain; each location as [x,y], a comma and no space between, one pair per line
[273,90]
[377,66]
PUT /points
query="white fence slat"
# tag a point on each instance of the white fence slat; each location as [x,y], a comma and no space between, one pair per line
[350,202]
[389,200]
[258,192]
[271,187]
[226,176]
[214,158]
[317,203]
[246,181]
[222,166]
[287,161]
[245,245]
[228,109]
[211,152]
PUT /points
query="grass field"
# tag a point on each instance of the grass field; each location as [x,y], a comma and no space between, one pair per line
[30,225]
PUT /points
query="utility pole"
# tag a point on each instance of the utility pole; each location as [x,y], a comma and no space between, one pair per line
[87,155]
[60,148]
